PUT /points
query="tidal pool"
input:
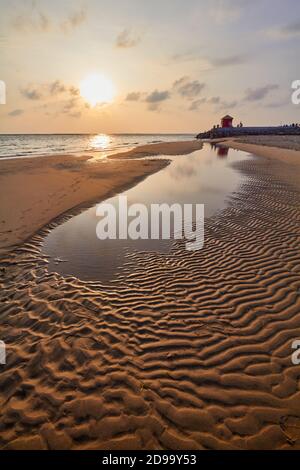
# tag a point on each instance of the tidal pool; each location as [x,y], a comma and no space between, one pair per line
[203,177]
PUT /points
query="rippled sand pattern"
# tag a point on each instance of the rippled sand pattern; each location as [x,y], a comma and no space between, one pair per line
[186,351]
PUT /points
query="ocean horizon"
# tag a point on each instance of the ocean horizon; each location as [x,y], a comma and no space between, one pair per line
[26,145]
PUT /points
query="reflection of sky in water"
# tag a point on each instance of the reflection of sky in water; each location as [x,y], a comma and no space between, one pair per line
[204,177]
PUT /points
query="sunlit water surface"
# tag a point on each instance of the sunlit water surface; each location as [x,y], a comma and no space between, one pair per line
[21,145]
[203,177]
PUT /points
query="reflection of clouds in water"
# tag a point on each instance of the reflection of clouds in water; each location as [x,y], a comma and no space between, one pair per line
[183,170]
[185,167]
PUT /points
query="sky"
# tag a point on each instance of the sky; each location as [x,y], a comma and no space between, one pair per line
[175,65]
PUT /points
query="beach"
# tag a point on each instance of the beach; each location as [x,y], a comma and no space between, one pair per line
[189,350]
[283,148]
[34,191]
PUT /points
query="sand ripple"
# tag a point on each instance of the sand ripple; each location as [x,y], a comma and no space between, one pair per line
[186,351]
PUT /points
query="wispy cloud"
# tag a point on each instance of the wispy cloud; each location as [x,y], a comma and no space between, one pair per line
[287,31]
[36,20]
[127,38]
[195,105]
[187,56]
[215,101]
[72,106]
[133,96]
[74,20]
[224,104]
[31,93]
[157,96]
[46,90]
[188,88]
[184,87]
[228,60]
[258,94]
[155,99]
[16,112]
[209,63]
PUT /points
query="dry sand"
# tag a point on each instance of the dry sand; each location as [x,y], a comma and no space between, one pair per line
[190,350]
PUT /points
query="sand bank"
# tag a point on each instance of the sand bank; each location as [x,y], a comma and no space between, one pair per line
[34,191]
[283,148]
[164,148]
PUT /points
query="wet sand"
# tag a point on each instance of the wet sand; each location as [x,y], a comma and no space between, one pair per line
[283,148]
[191,350]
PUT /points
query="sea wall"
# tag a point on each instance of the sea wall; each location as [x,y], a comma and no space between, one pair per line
[244,131]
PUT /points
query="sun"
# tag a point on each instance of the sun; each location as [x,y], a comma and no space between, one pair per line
[97,89]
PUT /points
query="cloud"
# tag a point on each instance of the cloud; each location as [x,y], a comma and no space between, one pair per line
[155,99]
[127,39]
[157,96]
[223,104]
[208,63]
[133,96]
[72,106]
[16,112]
[258,94]
[285,32]
[228,61]
[74,20]
[35,20]
[56,88]
[48,90]
[214,100]
[185,56]
[31,93]
[195,105]
[188,88]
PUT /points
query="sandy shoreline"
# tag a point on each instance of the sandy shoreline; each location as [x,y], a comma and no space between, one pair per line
[283,148]
[34,191]
[186,351]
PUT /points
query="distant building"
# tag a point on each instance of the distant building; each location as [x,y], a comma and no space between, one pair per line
[226,121]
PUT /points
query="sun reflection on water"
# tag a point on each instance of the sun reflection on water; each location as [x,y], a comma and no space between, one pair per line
[100,142]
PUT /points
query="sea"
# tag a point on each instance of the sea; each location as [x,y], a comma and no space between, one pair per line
[29,145]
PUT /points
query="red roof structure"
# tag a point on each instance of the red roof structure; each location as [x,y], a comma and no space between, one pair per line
[226,121]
